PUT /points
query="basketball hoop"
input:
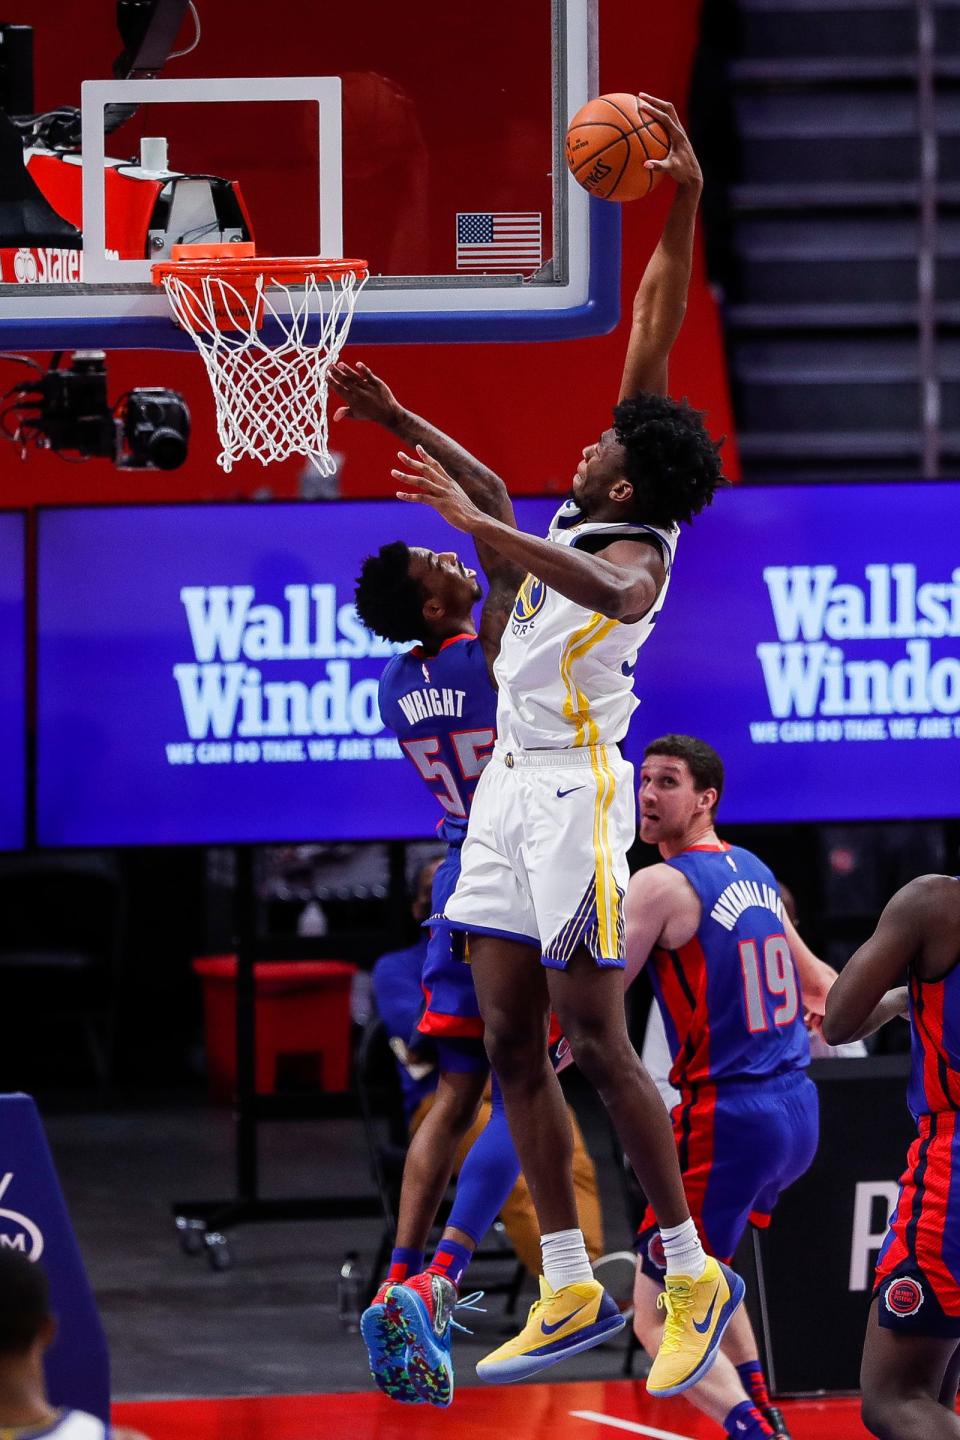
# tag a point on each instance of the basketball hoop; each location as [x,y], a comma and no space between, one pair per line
[271,398]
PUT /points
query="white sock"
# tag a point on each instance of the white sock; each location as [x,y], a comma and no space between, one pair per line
[565,1258]
[683,1251]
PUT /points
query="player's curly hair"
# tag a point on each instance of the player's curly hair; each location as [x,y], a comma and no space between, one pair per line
[388,601]
[671,461]
[24,1302]
[703,762]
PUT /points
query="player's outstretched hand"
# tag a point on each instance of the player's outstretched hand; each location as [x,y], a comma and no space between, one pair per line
[365,395]
[817,979]
[424,481]
[681,163]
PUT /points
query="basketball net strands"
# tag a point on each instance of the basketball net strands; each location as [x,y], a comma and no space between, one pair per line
[270,394]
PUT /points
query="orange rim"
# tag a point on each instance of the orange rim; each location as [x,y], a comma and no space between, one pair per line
[276,270]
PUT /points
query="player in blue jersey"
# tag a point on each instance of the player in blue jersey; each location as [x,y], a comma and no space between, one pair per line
[439,700]
[731,977]
[911,1355]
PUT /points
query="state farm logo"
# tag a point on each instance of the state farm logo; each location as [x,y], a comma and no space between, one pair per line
[18,1232]
[48,266]
[25,267]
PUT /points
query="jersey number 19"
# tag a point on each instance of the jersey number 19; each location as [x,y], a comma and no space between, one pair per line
[775,976]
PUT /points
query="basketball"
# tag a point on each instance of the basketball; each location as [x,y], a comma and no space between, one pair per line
[608,142]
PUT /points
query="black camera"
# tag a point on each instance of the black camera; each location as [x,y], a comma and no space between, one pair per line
[67,409]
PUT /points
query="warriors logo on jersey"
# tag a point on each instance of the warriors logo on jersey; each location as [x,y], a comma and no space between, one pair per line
[528,604]
[544,861]
[564,673]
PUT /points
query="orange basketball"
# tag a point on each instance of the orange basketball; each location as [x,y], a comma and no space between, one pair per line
[608,142]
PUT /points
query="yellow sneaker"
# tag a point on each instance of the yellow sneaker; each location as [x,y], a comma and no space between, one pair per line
[562,1322]
[698,1312]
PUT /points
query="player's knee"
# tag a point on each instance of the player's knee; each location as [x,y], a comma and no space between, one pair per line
[459,1109]
[872,1413]
[458,1100]
[596,1057]
[514,1054]
[891,1417]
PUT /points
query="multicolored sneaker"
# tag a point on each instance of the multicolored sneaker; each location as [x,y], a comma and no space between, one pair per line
[387,1349]
[775,1419]
[562,1322]
[698,1312]
[421,1310]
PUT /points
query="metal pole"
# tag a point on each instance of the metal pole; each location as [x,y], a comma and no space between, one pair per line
[927,248]
[246,1035]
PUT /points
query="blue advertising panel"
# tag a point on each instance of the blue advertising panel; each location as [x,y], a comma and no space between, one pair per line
[202,675]
[812,635]
[12,683]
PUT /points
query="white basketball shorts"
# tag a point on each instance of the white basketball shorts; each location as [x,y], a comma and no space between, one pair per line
[545,858]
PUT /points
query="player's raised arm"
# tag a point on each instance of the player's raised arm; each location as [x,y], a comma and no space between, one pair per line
[622,583]
[864,997]
[661,299]
[367,397]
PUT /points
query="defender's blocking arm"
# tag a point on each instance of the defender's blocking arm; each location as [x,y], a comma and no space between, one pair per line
[661,299]
[367,397]
[622,582]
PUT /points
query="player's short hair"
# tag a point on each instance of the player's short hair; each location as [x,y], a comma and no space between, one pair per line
[702,760]
[671,461]
[24,1302]
[388,600]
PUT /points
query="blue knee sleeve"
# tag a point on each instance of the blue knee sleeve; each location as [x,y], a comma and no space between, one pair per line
[487,1175]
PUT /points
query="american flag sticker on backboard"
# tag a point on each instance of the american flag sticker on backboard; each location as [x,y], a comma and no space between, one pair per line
[508,240]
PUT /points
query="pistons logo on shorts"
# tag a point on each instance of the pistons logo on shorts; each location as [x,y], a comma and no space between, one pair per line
[903,1296]
[655,1252]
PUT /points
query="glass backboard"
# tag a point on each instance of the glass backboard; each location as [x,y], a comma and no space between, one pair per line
[424,138]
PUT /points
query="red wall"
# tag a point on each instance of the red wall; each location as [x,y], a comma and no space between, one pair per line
[527,409]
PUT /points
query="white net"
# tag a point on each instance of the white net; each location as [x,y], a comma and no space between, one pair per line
[271,399]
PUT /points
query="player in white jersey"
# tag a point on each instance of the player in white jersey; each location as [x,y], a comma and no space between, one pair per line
[26,1329]
[544,863]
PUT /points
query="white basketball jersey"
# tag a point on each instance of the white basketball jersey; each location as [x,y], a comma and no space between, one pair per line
[72,1425]
[565,673]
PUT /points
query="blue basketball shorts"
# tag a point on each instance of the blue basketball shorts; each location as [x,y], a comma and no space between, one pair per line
[918,1268]
[451,1009]
[740,1144]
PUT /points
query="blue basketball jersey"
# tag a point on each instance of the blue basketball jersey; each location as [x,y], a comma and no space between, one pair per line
[443,710]
[935,1042]
[730,997]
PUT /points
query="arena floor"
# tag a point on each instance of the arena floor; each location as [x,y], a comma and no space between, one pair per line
[262,1343]
[586,1410]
